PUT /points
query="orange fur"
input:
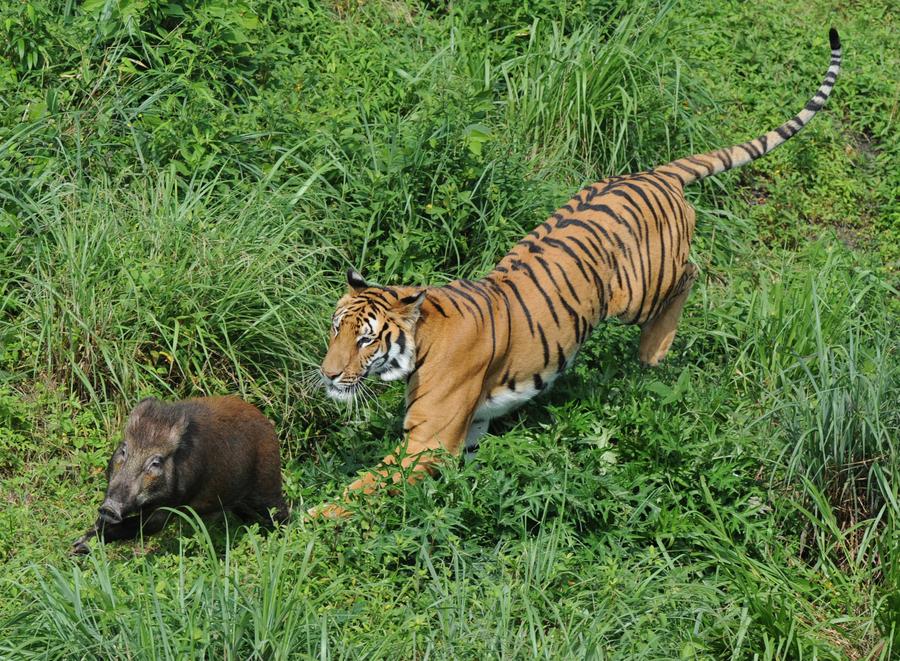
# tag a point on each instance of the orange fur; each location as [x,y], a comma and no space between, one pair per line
[471,350]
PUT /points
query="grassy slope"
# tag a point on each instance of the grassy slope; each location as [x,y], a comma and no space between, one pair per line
[627,513]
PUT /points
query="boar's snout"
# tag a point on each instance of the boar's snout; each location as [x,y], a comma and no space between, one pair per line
[111,511]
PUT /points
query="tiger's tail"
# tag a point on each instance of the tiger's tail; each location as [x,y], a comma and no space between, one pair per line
[699,166]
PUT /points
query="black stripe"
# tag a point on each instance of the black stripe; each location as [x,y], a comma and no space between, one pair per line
[676,208]
[538,382]
[493,286]
[664,185]
[562,299]
[594,278]
[599,252]
[455,304]
[522,266]
[586,331]
[627,283]
[377,304]
[697,161]
[724,156]
[614,238]
[646,200]
[568,283]
[662,264]
[563,223]
[544,265]
[490,308]
[544,346]
[677,176]
[638,243]
[615,215]
[468,298]
[587,251]
[682,166]
[672,246]
[371,295]
[747,149]
[638,220]
[436,305]
[611,236]
[600,287]
[515,291]
[571,253]
[532,246]
[560,359]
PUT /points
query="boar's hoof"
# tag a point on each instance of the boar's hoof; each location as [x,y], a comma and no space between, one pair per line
[80,547]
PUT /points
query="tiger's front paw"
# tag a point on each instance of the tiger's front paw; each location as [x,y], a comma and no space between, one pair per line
[328,511]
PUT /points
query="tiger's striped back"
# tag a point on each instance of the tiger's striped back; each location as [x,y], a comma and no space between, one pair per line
[472,350]
[625,237]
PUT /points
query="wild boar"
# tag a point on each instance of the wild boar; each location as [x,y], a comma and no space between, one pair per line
[209,453]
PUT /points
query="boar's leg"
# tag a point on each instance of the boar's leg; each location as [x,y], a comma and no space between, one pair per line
[263,510]
[128,528]
[280,511]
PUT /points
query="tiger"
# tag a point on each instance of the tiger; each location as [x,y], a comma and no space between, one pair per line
[473,350]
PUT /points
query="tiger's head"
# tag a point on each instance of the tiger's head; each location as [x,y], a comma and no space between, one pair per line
[372,333]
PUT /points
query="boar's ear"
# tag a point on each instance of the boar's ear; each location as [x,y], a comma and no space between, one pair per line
[138,415]
[144,405]
[178,429]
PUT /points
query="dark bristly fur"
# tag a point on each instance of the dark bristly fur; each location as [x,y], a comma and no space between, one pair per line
[210,454]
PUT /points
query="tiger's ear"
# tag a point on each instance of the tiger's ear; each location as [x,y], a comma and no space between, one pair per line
[356,281]
[409,306]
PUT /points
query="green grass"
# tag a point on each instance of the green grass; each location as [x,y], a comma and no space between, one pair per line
[181,189]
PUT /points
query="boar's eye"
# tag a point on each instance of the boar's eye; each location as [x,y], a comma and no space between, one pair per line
[154,464]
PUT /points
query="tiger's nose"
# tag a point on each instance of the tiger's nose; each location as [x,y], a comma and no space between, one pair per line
[331,376]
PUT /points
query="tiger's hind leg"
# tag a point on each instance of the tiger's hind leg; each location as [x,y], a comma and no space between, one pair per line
[657,333]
